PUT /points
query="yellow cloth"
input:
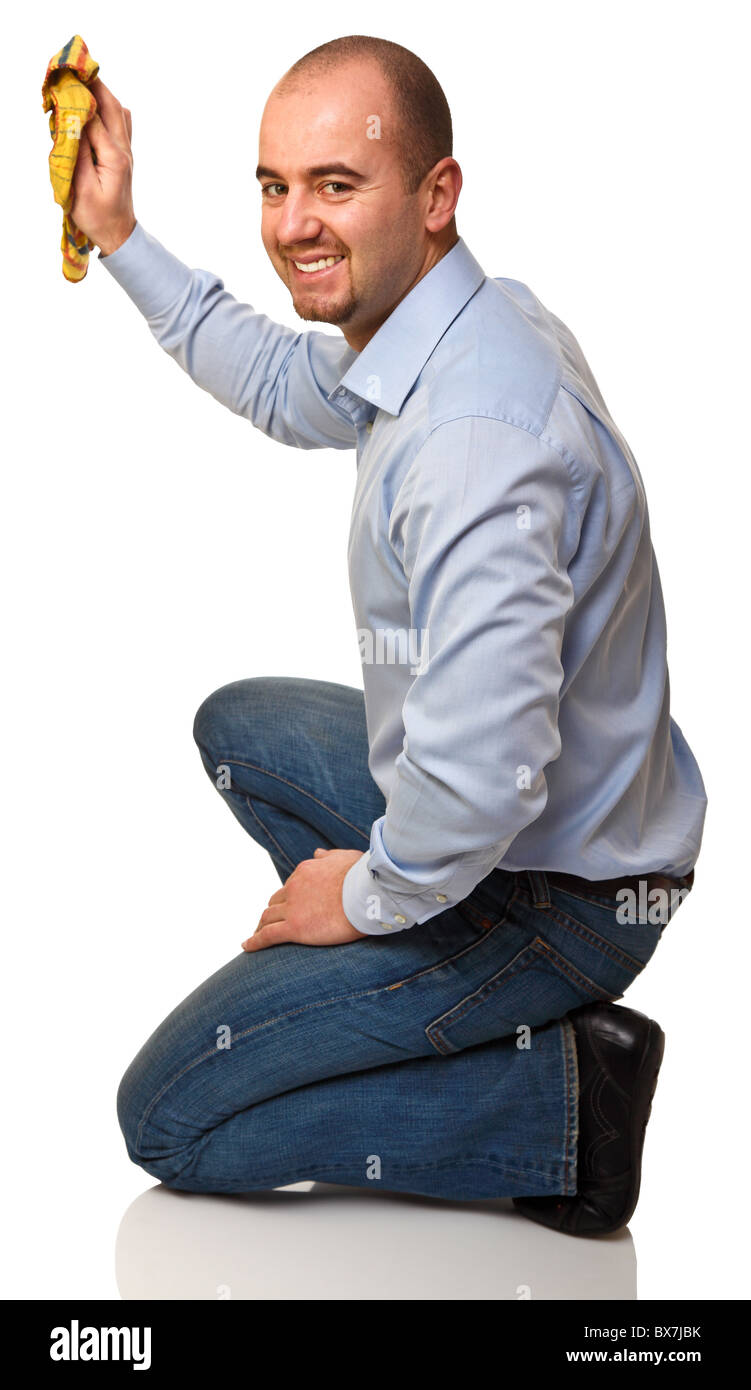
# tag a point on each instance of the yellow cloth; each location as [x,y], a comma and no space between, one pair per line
[66,96]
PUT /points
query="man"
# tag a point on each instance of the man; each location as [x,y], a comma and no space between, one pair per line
[484,847]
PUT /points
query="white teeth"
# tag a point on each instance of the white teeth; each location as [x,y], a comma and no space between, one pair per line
[310,266]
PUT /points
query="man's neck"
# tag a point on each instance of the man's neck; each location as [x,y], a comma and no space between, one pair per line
[358,339]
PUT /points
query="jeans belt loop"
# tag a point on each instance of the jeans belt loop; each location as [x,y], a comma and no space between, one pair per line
[538,886]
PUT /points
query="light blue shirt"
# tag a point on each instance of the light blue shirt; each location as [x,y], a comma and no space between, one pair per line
[506,594]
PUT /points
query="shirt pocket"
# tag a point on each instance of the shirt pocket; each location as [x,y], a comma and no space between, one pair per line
[536,986]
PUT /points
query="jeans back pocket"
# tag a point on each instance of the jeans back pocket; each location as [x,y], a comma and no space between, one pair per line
[536,986]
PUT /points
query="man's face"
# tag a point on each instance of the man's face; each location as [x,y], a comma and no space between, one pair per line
[328,189]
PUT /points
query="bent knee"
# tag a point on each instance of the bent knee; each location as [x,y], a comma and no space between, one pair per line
[156,1139]
[245,719]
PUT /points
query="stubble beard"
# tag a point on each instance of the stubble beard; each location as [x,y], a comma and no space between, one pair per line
[337,310]
[340,311]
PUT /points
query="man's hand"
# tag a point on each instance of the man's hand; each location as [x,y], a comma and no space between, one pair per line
[308,907]
[102,206]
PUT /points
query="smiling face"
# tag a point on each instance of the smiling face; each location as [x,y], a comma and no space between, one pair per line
[331,192]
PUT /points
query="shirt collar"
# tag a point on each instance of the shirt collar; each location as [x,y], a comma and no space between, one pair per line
[389,365]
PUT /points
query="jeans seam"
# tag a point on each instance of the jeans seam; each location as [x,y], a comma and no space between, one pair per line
[571,1073]
[256,767]
[267,832]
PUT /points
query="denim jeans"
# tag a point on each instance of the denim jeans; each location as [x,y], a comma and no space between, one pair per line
[439,1061]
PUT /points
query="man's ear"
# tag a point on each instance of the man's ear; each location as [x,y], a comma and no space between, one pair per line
[445,186]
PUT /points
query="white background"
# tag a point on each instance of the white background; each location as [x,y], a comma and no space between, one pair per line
[155,546]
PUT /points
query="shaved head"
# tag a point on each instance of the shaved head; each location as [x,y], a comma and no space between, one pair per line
[418,123]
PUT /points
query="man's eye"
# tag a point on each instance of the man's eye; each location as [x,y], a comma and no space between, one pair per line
[338,186]
[269,187]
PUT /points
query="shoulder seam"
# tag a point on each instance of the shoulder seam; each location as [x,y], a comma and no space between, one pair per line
[564,454]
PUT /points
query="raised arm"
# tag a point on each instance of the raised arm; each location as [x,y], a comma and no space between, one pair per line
[274,376]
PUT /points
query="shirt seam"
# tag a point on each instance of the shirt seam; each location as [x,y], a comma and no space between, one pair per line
[567,458]
[564,454]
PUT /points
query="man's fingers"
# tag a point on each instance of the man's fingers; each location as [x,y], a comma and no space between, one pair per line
[111,112]
[102,143]
[271,935]
[102,93]
[275,913]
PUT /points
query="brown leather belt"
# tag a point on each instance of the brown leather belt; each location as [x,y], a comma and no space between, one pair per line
[609,887]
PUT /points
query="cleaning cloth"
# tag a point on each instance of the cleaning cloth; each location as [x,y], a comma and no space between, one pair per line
[66,95]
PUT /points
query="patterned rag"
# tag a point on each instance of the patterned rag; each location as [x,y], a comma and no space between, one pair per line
[66,96]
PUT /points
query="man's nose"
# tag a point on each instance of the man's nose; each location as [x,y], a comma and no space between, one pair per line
[299,221]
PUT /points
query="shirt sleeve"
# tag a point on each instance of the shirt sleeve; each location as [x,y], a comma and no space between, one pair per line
[481,526]
[275,377]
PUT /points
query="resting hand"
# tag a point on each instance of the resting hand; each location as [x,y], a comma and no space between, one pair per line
[308,907]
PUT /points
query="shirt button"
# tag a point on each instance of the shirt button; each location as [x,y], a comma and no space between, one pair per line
[441,898]
[369,427]
[387,925]
[398,917]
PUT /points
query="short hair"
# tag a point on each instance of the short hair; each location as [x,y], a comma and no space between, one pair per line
[425,133]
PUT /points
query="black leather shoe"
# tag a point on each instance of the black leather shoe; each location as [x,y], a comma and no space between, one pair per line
[619,1052]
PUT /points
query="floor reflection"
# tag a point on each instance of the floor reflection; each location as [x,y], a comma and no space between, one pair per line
[317,1241]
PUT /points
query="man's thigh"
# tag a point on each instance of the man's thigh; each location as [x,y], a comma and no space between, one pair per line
[269,1021]
[292,753]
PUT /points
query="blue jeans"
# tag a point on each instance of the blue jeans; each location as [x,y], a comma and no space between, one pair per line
[439,1061]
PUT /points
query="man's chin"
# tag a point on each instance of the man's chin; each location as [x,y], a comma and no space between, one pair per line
[332,312]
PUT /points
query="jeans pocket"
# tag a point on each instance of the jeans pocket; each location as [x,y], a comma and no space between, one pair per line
[644,907]
[535,987]
[633,939]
